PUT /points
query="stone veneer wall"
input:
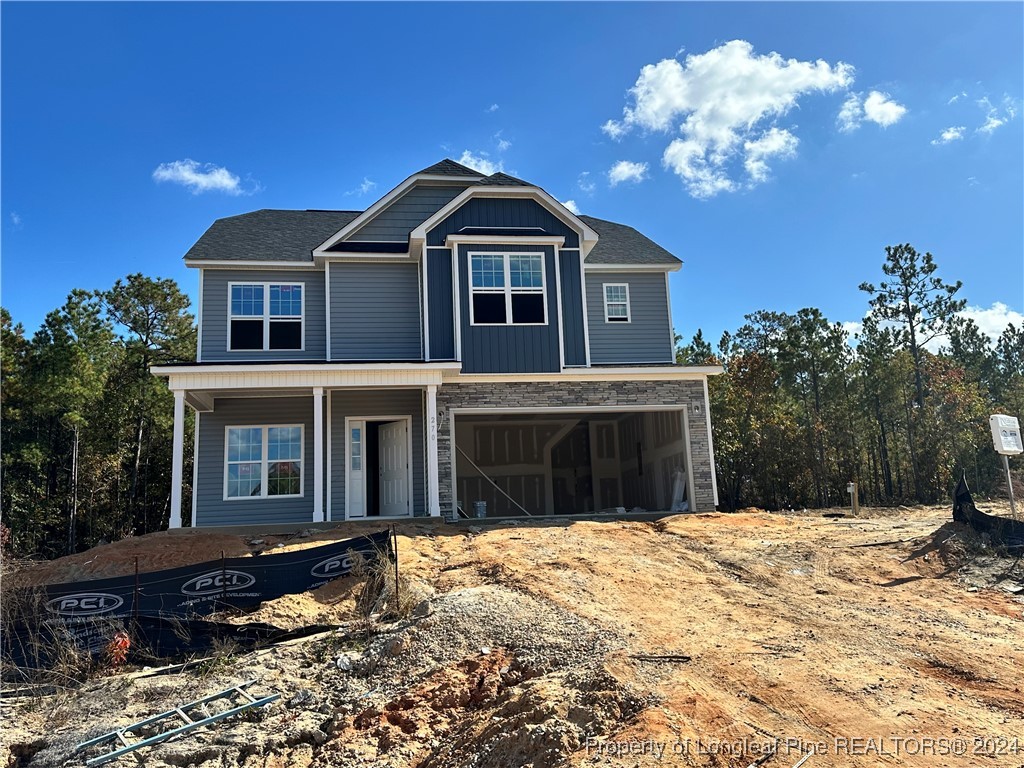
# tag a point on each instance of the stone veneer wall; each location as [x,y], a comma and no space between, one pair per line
[579,394]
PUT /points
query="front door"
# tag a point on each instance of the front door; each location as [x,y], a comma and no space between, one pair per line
[393,439]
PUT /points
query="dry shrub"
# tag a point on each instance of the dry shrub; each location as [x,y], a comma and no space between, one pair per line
[384,595]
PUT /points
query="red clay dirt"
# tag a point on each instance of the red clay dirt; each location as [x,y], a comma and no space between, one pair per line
[893,639]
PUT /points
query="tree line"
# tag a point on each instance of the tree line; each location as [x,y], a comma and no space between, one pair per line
[85,428]
[803,407]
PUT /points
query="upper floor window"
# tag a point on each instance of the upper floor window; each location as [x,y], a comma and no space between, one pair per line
[263,461]
[507,289]
[265,316]
[616,302]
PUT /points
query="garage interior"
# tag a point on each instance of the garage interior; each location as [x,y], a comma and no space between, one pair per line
[571,463]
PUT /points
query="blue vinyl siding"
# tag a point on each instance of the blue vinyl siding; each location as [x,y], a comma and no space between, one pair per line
[211,507]
[511,348]
[647,337]
[572,308]
[502,212]
[375,311]
[441,308]
[215,314]
[356,403]
[403,215]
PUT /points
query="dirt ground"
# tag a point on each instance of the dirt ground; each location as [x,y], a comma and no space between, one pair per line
[892,639]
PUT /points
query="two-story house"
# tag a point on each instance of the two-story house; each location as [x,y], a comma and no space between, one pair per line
[466,338]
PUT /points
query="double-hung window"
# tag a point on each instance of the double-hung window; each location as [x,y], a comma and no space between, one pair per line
[265,316]
[263,461]
[616,302]
[507,289]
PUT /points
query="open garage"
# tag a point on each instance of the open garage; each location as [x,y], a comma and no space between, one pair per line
[557,462]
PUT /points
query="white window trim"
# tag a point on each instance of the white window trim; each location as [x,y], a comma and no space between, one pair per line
[604,292]
[266,315]
[265,461]
[507,289]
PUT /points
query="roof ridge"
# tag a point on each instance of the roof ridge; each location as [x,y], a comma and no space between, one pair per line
[448,167]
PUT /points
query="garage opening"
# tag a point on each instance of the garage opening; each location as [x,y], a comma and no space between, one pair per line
[571,463]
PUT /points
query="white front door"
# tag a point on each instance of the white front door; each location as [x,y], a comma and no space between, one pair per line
[394,468]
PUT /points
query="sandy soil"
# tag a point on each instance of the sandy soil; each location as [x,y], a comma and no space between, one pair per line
[896,638]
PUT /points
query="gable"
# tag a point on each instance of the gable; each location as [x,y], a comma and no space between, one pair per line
[504,216]
[397,220]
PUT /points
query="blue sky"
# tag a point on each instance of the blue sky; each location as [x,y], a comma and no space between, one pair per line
[778,179]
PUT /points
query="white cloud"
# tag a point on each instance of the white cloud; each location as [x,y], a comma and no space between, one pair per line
[953,133]
[481,162]
[364,188]
[993,320]
[15,218]
[585,183]
[776,142]
[201,177]
[995,117]
[492,108]
[957,97]
[614,129]
[723,103]
[503,144]
[850,114]
[991,123]
[571,205]
[879,108]
[852,328]
[627,170]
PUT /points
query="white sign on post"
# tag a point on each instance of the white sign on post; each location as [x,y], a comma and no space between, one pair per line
[1006,435]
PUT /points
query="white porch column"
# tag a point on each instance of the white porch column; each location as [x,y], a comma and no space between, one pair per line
[433,489]
[177,458]
[318,454]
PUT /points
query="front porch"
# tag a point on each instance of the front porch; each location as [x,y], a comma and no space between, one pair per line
[286,443]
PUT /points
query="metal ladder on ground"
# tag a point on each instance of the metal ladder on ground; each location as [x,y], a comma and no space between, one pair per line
[239,699]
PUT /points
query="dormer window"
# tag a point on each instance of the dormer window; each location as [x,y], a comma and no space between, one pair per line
[265,316]
[507,289]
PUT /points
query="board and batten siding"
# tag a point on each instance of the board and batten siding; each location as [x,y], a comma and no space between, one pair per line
[440,305]
[575,343]
[375,311]
[647,338]
[211,506]
[395,222]
[358,403]
[502,212]
[509,348]
[215,314]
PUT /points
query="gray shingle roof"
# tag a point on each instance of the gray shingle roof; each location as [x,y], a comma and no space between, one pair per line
[449,168]
[621,244]
[503,180]
[276,235]
[269,235]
